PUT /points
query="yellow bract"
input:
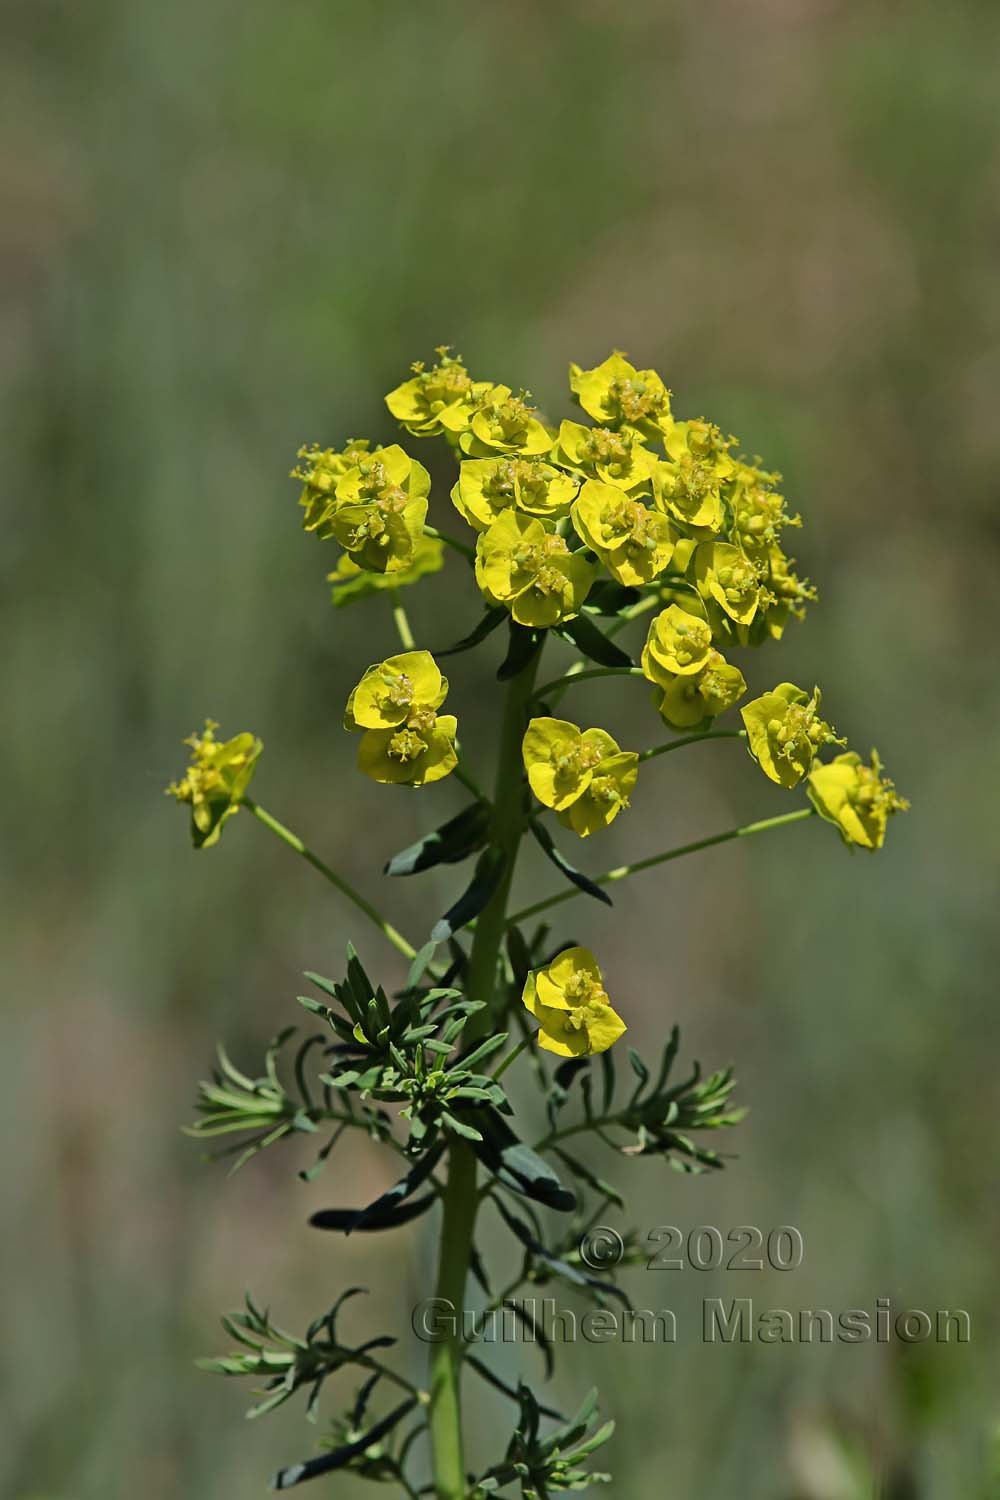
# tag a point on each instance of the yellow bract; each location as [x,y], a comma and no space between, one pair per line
[678,643]
[441,399]
[379,510]
[582,774]
[531,570]
[725,575]
[488,486]
[504,423]
[600,453]
[421,752]
[320,471]
[634,543]
[690,491]
[351,582]
[685,702]
[215,781]
[616,394]
[395,704]
[784,731]
[392,689]
[857,798]
[571,1006]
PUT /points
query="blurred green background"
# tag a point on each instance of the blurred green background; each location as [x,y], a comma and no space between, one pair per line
[227,229]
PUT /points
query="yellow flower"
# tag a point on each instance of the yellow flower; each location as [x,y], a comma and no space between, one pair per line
[790,593]
[215,781]
[441,399]
[784,731]
[704,443]
[599,453]
[759,514]
[531,571]
[423,750]
[504,423]
[320,470]
[392,689]
[678,644]
[686,701]
[857,798]
[634,543]
[615,393]
[724,574]
[571,1006]
[583,774]
[488,486]
[351,582]
[380,509]
[404,741]
[690,490]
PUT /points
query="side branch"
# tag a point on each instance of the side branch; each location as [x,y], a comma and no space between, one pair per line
[610,876]
[293,841]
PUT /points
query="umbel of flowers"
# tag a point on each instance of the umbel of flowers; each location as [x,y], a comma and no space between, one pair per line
[575,531]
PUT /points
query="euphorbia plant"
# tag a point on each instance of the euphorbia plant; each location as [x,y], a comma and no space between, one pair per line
[575,532]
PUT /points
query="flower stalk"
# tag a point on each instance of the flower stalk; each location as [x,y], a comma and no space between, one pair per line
[678,524]
[460,1196]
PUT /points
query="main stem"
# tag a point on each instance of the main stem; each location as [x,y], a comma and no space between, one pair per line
[460,1200]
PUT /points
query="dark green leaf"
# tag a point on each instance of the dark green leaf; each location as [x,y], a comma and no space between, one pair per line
[523,645]
[447,845]
[489,869]
[581,881]
[516,1165]
[508,1390]
[345,1220]
[492,619]
[607,597]
[285,1479]
[593,643]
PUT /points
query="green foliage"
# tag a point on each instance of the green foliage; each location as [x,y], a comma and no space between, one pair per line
[672,515]
[545,1465]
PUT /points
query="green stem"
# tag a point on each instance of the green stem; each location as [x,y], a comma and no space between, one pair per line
[451,541]
[569,678]
[610,876]
[465,776]
[293,841]
[402,623]
[460,1196]
[648,601]
[512,1056]
[693,739]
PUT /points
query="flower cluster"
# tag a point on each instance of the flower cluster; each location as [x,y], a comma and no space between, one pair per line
[404,740]
[857,798]
[664,505]
[568,1000]
[374,504]
[784,732]
[582,774]
[693,680]
[215,781]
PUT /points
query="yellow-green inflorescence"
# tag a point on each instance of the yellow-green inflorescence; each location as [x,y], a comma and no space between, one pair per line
[571,524]
[215,781]
[857,798]
[582,774]
[784,732]
[570,1004]
[404,740]
[664,505]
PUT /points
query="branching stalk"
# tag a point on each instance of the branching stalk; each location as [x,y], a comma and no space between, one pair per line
[622,871]
[293,841]
[460,1197]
